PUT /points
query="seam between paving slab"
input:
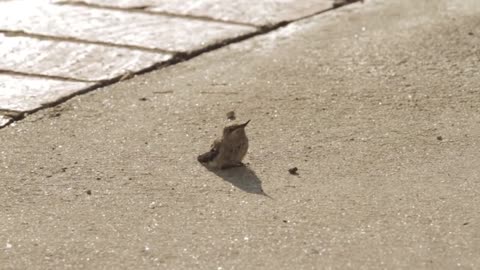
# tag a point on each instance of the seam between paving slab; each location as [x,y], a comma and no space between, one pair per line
[177,58]
[21,33]
[143,10]
[37,75]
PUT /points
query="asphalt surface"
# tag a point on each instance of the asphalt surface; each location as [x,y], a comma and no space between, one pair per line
[377,107]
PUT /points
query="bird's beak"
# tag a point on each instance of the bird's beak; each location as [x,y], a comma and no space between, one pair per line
[246,123]
[238,126]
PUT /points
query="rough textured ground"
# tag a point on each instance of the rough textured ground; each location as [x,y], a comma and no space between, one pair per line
[378,107]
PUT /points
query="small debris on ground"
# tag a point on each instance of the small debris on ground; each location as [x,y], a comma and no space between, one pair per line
[293,171]
[54,114]
[143,99]
[11,114]
[339,3]
[163,92]
[128,75]
[439,138]
[89,192]
[152,205]
[231,115]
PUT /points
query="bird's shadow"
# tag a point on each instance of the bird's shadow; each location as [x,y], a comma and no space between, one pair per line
[241,177]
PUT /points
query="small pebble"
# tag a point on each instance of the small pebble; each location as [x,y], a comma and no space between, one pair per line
[293,170]
[89,192]
[231,115]
[128,75]
[439,138]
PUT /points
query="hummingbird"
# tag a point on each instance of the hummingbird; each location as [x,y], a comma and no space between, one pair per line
[229,150]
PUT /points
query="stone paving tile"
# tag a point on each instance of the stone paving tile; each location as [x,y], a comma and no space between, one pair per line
[113,26]
[50,48]
[246,11]
[72,60]
[24,93]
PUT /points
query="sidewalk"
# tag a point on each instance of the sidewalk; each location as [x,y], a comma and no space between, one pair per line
[377,104]
[73,47]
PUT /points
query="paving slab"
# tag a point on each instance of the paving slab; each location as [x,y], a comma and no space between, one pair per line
[260,13]
[117,27]
[71,59]
[25,93]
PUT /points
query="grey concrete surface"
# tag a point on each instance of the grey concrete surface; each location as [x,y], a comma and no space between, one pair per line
[378,108]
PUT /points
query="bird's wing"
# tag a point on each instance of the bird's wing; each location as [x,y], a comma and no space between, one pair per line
[210,155]
[216,144]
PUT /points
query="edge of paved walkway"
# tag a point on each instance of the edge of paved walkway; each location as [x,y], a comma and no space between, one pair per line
[10,116]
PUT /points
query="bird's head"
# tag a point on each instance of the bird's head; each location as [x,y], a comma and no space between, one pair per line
[229,130]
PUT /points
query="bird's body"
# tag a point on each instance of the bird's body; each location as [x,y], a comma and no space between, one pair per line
[228,151]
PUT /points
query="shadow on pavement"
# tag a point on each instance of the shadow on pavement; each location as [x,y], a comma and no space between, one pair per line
[243,178]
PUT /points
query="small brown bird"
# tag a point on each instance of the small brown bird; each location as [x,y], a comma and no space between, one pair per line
[228,151]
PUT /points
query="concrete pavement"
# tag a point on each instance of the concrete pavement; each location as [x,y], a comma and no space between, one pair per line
[377,106]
